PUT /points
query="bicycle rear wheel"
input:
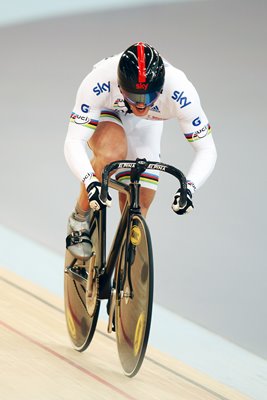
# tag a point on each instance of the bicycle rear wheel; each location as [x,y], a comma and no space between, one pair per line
[134,291]
[81,325]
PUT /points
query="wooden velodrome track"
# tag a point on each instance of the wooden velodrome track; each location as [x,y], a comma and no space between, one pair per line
[37,361]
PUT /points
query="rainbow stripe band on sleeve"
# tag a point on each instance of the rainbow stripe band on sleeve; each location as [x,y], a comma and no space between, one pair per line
[83,121]
[200,134]
[110,114]
[145,177]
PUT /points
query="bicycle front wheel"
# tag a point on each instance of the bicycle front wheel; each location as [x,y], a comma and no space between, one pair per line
[134,288]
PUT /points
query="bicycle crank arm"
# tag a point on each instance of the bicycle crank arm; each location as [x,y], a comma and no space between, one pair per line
[111,310]
[75,273]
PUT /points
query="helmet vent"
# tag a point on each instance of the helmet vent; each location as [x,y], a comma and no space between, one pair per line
[141,63]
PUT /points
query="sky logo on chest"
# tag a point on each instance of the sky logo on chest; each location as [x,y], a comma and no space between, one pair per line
[101,88]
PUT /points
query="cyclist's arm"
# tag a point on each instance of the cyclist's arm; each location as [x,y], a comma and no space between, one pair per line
[197,131]
[75,147]
[204,161]
[185,104]
[196,128]
[83,121]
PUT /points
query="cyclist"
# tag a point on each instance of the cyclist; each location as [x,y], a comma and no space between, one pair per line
[119,112]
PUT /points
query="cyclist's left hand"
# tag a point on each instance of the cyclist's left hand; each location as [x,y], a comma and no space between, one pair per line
[187,208]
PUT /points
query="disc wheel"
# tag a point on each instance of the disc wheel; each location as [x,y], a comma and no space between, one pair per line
[134,291]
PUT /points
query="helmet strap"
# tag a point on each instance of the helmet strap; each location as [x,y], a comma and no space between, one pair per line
[129,111]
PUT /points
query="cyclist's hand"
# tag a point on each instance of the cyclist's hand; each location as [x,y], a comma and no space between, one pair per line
[95,202]
[187,208]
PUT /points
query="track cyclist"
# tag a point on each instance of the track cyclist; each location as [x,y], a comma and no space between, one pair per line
[119,112]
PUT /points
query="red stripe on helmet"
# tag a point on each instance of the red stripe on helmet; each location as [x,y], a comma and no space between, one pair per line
[141,62]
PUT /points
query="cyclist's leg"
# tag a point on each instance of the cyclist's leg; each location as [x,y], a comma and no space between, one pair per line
[143,138]
[108,143]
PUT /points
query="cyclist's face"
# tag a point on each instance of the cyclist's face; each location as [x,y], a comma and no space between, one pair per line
[140,109]
[140,104]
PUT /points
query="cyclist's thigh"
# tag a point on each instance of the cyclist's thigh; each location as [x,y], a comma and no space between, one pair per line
[109,139]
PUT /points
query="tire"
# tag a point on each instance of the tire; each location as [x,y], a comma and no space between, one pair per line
[133,315]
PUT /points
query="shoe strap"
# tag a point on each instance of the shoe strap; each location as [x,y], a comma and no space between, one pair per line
[76,237]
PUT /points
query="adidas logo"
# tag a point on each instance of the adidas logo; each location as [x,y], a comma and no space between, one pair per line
[155,109]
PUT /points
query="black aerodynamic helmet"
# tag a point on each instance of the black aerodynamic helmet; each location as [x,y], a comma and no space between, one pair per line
[141,74]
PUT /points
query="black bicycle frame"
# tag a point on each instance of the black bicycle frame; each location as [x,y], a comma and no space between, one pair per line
[106,267]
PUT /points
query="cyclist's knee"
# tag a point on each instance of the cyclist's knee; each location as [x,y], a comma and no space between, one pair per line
[108,143]
[110,156]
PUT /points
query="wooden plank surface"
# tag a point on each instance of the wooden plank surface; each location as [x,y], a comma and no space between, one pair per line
[37,361]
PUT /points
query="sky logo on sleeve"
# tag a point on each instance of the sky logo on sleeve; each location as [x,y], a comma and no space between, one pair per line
[101,87]
[180,98]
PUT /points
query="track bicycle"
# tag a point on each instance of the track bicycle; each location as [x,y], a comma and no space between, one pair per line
[125,277]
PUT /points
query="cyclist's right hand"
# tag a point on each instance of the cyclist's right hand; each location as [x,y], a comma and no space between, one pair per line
[188,206]
[93,190]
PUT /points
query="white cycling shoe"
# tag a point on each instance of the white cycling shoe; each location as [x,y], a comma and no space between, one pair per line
[78,240]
